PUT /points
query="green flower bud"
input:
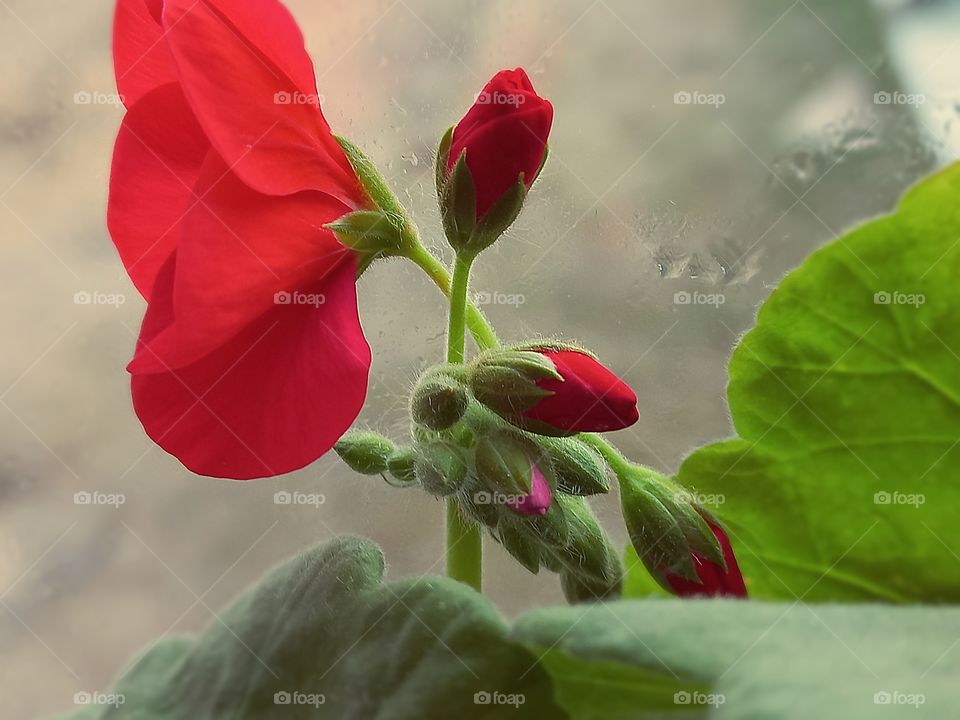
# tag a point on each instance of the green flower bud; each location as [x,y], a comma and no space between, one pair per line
[479,504]
[664,527]
[580,469]
[440,468]
[365,452]
[401,466]
[438,401]
[592,565]
[585,588]
[517,540]
[504,462]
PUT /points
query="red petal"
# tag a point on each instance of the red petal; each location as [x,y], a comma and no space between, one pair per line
[141,59]
[590,398]
[238,250]
[273,399]
[714,581]
[235,61]
[506,81]
[156,162]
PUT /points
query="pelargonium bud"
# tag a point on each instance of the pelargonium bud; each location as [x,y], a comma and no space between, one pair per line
[683,548]
[440,468]
[401,467]
[713,579]
[438,401]
[537,502]
[580,469]
[514,466]
[553,390]
[365,452]
[489,160]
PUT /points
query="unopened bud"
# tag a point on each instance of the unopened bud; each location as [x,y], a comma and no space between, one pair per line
[580,469]
[682,547]
[438,401]
[400,465]
[503,462]
[365,452]
[518,541]
[553,390]
[440,468]
[592,567]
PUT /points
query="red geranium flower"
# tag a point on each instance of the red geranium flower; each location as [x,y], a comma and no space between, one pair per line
[251,360]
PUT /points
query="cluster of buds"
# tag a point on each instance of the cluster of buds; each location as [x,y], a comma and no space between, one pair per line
[494,436]
[499,435]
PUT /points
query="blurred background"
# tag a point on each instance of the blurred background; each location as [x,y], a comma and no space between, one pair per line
[698,148]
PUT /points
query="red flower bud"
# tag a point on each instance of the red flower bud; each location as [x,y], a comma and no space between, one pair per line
[505,134]
[538,501]
[589,398]
[714,580]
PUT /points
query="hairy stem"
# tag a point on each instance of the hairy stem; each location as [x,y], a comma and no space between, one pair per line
[464,542]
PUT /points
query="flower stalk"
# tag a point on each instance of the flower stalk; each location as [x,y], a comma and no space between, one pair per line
[464,542]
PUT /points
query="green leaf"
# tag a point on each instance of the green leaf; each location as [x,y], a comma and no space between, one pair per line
[325,625]
[759,660]
[842,484]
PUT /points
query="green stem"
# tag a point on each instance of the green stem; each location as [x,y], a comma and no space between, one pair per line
[486,338]
[478,325]
[458,310]
[621,466]
[464,542]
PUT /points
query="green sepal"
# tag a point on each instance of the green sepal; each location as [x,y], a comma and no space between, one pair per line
[580,469]
[400,467]
[440,467]
[588,556]
[517,541]
[372,181]
[458,205]
[499,217]
[369,232]
[438,401]
[654,532]
[503,461]
[443,157]
[365,452]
